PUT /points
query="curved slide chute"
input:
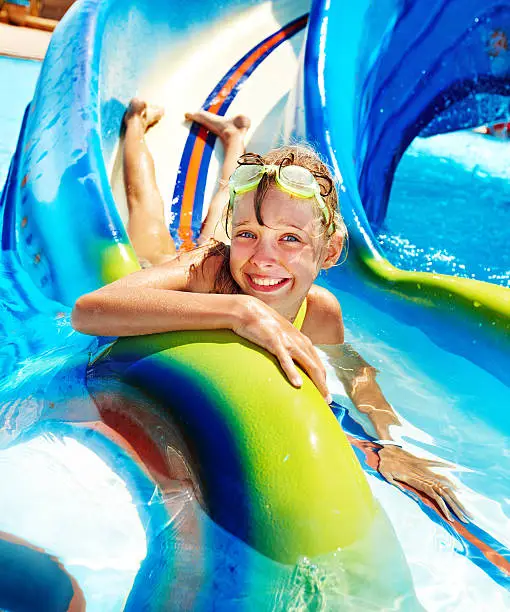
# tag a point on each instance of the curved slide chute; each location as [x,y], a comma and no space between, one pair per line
[387,72]
[290,488]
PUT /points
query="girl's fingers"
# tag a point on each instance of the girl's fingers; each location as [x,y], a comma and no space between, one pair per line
[314,370]
[434,492]
[289,367]
[391,480]
[440,463]
[436,487]
[442,488]
[290,347]
[441,503]
[431,492]
[458,509]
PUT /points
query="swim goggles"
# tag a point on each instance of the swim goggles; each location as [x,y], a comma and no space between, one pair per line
[296,180]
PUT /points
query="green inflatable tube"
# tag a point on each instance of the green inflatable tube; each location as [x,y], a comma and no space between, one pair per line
[272,464]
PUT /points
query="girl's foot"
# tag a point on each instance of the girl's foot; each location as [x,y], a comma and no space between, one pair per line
[147,114]
[224,128]
[232,133]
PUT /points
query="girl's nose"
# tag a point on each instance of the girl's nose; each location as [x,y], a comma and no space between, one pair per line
[264,253]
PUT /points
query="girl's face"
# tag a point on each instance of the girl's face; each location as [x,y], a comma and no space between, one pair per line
[278,262]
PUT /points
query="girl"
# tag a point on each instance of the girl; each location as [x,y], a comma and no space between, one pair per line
[284,227]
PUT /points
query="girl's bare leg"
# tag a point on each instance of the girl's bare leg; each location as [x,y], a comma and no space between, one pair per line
[231,133]
[146,227]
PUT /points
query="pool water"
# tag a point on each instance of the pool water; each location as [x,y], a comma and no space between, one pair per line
[449,210]
[18,78]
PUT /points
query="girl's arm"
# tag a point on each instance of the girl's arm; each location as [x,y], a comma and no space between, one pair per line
[397,465]
[359,380]
[169,297]
[358,377]
[176,296]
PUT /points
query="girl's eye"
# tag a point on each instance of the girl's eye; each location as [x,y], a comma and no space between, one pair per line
[290,238]
[245,234]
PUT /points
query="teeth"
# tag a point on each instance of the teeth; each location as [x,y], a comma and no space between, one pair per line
[267,282]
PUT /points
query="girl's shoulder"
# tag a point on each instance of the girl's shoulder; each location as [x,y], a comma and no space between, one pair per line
[323,322]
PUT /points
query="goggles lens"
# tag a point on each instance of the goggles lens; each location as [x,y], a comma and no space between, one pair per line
[298,180]
[246,177]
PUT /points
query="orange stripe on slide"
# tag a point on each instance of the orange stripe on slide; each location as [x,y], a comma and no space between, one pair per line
[188,197]
[489,553]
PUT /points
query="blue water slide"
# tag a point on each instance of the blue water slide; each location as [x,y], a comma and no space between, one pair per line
[374,75]
[393,68]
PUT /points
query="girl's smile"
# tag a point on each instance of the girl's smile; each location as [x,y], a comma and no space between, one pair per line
[266,283]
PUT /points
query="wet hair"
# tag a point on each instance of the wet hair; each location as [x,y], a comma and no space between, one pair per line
[224,282]
[299,155]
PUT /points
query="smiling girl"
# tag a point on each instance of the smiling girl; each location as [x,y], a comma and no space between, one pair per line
[284,228]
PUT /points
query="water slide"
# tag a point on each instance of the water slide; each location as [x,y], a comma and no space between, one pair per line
[360,82]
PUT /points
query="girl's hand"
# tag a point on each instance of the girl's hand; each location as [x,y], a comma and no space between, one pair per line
[398,466]
[263,326]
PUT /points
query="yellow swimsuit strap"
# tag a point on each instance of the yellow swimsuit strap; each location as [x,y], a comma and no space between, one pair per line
[300,317]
